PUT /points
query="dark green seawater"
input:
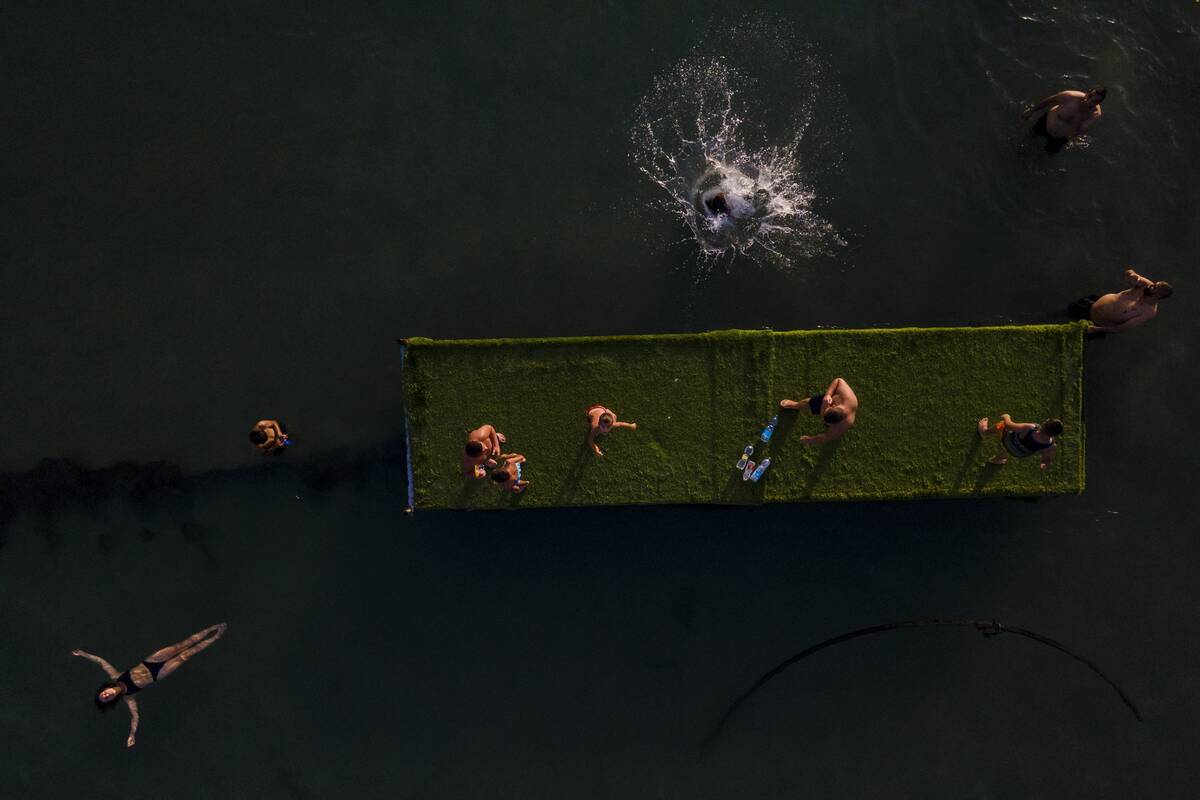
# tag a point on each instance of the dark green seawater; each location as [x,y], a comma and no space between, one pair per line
[217,212]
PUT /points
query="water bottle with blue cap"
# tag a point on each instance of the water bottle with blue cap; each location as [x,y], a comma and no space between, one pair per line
[770,429]
[758,473]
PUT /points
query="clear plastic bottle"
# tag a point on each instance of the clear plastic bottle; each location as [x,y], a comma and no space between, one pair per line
[758,473]
[748,470]
[741,464]
[770,429]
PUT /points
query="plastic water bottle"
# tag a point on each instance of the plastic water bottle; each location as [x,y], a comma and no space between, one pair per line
[748,470]
[758,473]
[749,451]
[770,429]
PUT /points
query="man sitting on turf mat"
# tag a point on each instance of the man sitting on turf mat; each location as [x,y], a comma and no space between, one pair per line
[481,452]
[838,408]
[508,474]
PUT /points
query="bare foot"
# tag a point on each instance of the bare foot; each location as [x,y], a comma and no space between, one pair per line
[789,404]
[983,426]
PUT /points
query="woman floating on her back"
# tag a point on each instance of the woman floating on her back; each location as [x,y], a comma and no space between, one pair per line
[152,669]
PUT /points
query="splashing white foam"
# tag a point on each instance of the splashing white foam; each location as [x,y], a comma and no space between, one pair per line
[736,196]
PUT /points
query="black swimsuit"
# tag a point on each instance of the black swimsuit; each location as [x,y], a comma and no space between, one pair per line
[1023,444]
[127,679]
[1053,143]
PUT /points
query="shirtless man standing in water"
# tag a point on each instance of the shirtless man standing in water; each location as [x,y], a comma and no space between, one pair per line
[1071,114]
[1120,311]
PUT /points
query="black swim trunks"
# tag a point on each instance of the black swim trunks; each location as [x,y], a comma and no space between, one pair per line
[1053,143]
[814,403]
[1082,308]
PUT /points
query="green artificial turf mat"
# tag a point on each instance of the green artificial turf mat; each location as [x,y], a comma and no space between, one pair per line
[699,399]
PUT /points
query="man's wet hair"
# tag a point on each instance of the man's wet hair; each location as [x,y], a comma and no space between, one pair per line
[111,704]
[833,416]
[1052,427]
[500,476]
[1102,91]
[607,419]
[717,204]
[1163,290]
[474,449]
[258,437]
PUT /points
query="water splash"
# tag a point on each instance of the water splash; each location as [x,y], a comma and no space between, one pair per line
[736,193]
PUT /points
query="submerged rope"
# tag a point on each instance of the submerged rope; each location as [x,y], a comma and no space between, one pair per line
[988,628]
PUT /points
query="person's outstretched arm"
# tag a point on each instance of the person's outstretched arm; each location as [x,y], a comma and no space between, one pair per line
[133,722]
[1137,280]
[107,667]
[625,425]
[1016,427]
[592,428]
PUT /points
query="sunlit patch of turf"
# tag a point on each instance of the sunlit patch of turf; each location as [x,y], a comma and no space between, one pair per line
[699,399]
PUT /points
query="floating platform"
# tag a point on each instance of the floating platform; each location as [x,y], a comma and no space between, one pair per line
[699,399]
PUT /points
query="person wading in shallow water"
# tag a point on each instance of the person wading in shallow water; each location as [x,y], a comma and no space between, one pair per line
[1071,114]
[1120,311]
[270,436]
[152,669]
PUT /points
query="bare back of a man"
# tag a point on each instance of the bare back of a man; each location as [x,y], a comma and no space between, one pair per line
[1067,114]
[1120,311]
[1072,116]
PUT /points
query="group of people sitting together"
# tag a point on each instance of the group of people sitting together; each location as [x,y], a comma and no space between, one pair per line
[483,455]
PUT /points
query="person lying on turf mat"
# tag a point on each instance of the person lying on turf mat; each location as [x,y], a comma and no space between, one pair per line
[482,451]
[602,420]
[838,408]
[508,474]
[1022,439]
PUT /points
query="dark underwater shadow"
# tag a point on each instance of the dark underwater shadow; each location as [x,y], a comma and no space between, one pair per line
[56,486]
